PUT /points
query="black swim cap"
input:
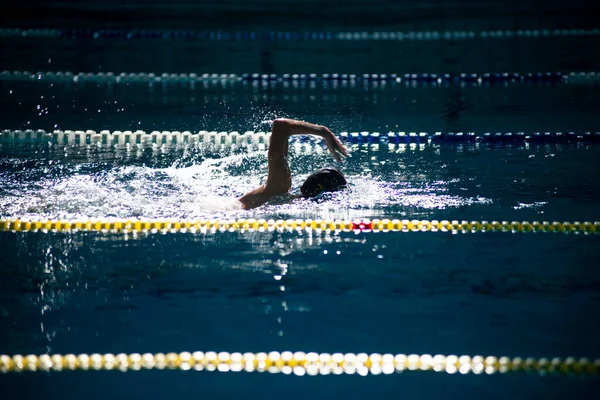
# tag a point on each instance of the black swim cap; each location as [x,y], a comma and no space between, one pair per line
[324,180]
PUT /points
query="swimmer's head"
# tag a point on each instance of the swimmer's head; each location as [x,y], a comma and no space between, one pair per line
[324,180]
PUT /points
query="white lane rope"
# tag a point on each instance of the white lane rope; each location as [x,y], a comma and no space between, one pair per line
[251,138]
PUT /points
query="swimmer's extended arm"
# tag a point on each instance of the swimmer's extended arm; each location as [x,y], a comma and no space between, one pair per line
[279,180]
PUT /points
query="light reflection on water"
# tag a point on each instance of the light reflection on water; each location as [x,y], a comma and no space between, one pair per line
[112,272]
[275,278]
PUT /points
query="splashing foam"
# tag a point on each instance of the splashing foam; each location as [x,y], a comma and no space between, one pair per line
[209,189]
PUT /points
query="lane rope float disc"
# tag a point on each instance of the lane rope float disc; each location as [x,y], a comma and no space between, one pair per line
[298,363]
[241,139]
[315,225]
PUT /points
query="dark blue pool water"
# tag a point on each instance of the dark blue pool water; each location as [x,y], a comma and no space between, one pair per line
[501,294]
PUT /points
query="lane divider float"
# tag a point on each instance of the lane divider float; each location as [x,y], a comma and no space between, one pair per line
[113,225]
[299,363]
[187,78]
[249,138]
[216,35]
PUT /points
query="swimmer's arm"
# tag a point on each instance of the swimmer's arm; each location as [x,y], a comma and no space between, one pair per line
[290,127]
[279,180]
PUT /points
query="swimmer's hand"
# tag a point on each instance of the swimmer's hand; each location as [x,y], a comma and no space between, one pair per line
[333,144]
[288,127]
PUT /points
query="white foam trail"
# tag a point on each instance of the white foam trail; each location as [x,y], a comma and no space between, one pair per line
[209,189]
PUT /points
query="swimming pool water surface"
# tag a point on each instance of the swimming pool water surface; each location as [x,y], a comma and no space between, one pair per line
[489,293]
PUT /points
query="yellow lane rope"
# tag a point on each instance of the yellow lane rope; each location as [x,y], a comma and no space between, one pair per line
[298,363]
[319,225]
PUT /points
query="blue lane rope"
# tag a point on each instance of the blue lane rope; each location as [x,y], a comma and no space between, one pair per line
[475,78]
[470,137]
[215,35]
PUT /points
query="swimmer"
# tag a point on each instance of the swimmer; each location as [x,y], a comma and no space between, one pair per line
[279,179]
